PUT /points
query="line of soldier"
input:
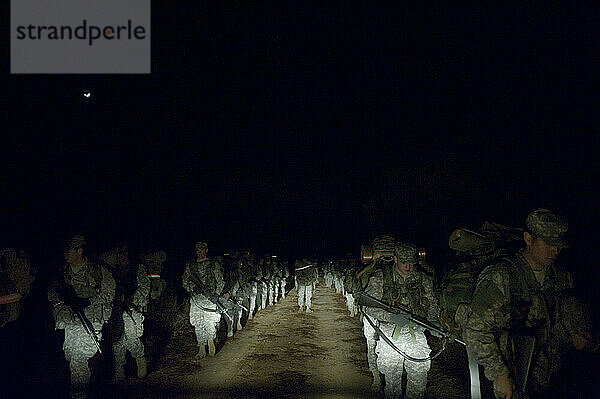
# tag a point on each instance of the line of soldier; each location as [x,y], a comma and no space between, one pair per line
[229,286]
[101,303]
[516,313]
[522,294]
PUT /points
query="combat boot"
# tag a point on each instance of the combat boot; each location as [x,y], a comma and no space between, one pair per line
[239,324]
[201,352]
[142,366]
[211,347]
[230,329]
[309,310]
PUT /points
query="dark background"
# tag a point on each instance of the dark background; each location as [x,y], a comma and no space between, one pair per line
[303,131]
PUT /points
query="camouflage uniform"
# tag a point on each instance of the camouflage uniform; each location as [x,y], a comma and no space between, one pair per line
[203,314]
[235,290]
[508,298]
[15,281]
[415,292]
[283,275]
[305,275]
[328,274]
[94,282]
[135,291]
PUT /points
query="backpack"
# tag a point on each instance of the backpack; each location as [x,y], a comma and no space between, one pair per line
[475,251]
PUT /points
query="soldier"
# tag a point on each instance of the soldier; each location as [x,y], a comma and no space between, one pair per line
[81,299]
[254,272]
[284,273]
[349,274]
[305,276]
[15,281]
[403,283]
[233,287]
[133,290]
[513,302]
[203,280]
[328,273]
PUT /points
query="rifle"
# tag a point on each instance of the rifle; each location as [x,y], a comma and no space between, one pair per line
[77,304]
[201,288]
[522,348]
[402,315]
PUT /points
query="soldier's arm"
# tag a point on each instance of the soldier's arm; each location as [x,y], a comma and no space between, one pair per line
[434,305]
[185,279]
[107,290]
[488,320]
[375,289]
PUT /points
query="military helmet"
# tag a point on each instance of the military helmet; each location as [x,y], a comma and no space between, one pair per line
[549,227]
[406,253]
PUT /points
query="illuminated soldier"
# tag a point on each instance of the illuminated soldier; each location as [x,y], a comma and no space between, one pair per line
[203,280]
[81,298]
[133,289]
[305,276]
[403,283]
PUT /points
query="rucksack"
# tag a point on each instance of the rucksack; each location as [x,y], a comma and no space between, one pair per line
[381,247]
[475,251]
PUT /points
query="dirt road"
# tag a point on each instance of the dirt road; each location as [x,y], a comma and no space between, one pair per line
[280,353]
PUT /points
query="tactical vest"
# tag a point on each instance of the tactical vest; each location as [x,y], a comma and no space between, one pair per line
[407,291]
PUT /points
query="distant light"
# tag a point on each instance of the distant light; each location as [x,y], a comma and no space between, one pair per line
[273,256]
[87,94]
[225,254]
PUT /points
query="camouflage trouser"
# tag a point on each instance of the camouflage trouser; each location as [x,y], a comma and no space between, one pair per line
[204,320]
[133,328]
[79,347]
[304,296]
[371,337]
[412,341]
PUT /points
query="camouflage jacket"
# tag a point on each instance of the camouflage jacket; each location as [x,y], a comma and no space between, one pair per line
[508,298]
[92,281]
[210,273]
[138,289]
[304,275]
[415,292]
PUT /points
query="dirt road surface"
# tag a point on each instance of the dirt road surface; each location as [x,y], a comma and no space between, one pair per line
[280,353]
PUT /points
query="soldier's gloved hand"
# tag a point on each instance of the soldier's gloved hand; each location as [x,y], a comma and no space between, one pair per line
[399,320]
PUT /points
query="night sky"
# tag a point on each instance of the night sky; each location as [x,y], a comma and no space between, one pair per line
[304,131]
